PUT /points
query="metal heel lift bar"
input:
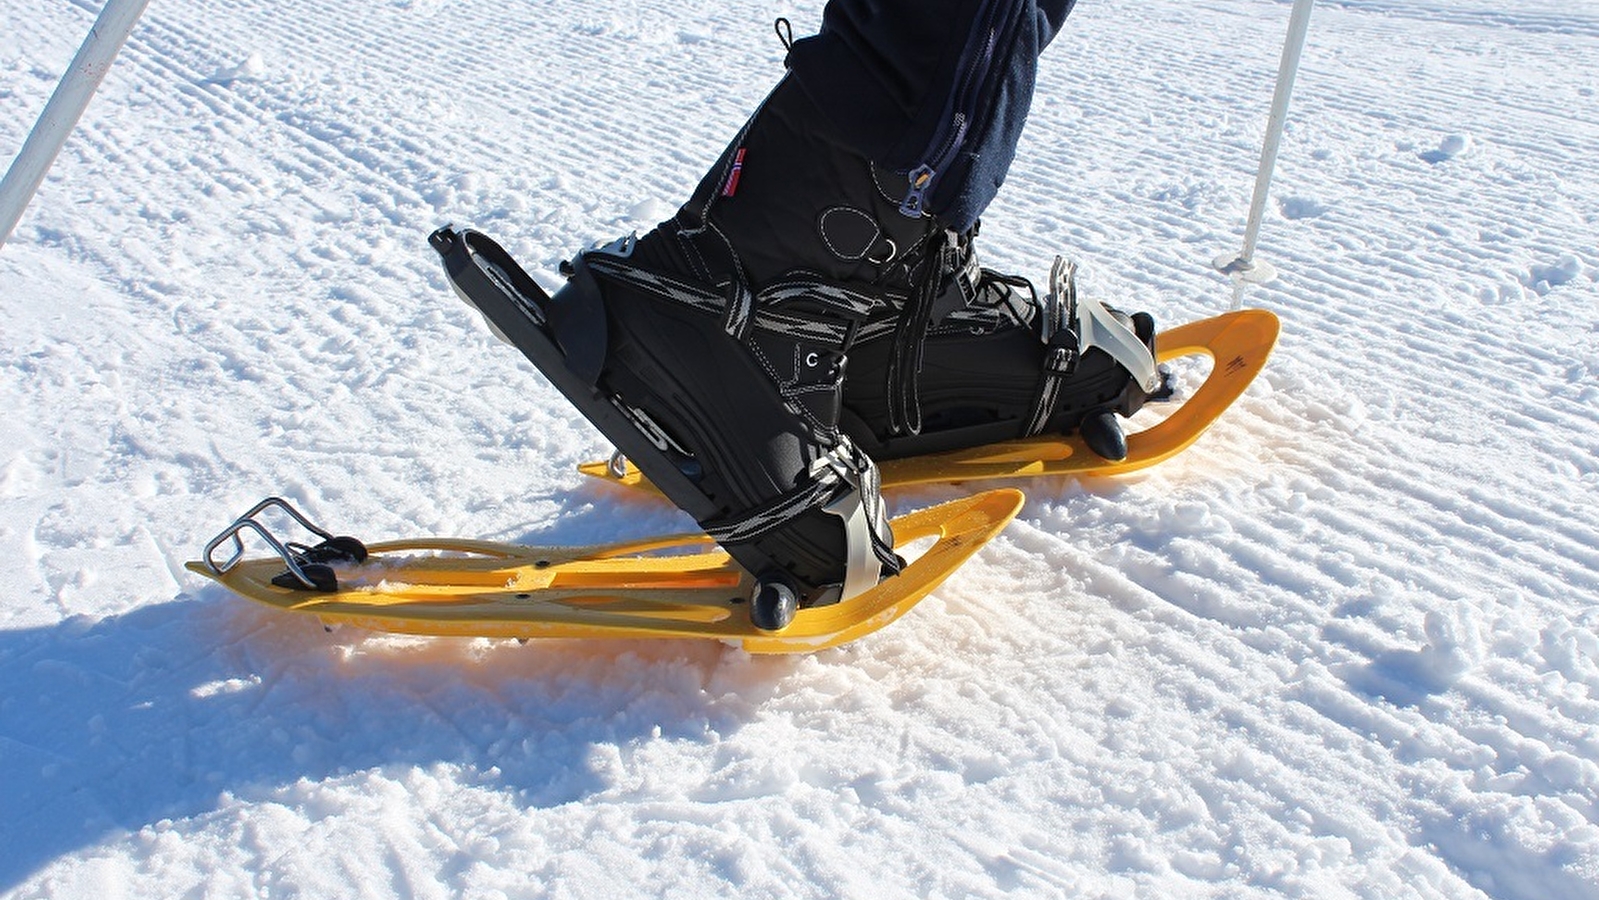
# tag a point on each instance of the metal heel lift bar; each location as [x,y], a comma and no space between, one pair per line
[248,522]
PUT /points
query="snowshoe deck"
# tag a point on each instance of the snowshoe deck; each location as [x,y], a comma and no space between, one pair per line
[1238,342]
[671,587]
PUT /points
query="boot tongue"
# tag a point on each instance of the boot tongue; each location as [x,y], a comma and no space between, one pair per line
[953,297]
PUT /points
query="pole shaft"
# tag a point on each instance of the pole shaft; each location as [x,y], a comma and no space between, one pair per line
[65,107]
[1298,25]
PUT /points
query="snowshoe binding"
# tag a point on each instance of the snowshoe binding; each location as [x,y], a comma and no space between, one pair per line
[995,362]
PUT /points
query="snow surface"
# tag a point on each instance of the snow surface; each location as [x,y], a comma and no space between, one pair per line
[1347,646]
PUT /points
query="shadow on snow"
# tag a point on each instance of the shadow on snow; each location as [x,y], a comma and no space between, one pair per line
[121,722]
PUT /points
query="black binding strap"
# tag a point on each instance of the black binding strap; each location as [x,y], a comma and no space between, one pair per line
[840,482]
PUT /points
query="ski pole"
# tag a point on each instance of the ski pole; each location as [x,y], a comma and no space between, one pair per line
[1243,267]
[65,107]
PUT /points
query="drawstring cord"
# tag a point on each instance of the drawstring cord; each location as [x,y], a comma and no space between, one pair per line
[910,336]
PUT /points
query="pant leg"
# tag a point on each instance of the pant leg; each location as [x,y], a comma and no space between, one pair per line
[939,85]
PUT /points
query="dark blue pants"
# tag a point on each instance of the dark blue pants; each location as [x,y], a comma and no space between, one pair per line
[937,89]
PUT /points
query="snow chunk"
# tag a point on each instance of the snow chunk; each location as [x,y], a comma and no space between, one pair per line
[651,211]
[1541,278]
[1407,676]
[1449,147]
[251,69]
[224,686]
[1301,208]
[1455,144]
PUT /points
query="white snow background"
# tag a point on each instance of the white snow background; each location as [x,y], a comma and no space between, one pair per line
[1346,646]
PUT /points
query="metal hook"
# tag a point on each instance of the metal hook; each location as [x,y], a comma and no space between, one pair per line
[617,467]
